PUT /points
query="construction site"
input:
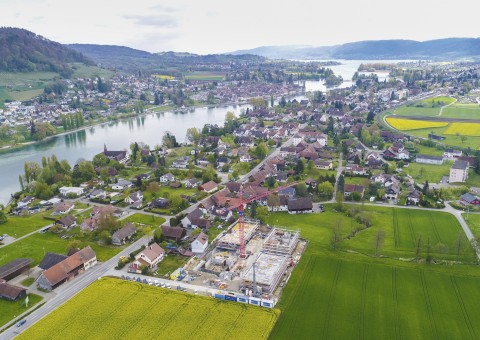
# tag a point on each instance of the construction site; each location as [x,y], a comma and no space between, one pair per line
[259,271]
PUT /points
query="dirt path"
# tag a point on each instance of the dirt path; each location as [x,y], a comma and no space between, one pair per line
[441,109]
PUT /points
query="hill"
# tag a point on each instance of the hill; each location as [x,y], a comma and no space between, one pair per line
[129,59]
[450,48]
[25,51]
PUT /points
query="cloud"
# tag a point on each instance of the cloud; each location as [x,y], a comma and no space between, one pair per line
[165,21]
[162,8]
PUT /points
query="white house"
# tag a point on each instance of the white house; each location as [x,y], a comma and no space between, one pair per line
[64,191]
[200,244]
[297,139]
[122,184]
[427,159]
[167,178]
[459,171]
[451,153]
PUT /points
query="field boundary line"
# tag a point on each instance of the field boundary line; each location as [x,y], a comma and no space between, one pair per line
[395,303]
[412,232]
[331,300]
[435,230]
[433,325]
[395,231]
[444,106]
[463,308]
[363,303]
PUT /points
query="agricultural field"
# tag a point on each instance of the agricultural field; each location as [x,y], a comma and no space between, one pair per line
[462,111]
[410,124]
[415,111]
[36,245]
[464,129]
[163,76]
[437,101]
[120,307]
[12,309]
[352,297]
[18,226]
[84,71]
[205,76]
[473,222]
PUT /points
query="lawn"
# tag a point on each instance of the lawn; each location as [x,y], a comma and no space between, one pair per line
[428,172]
[473,178]
[36,246]
[12,309]
[357,180]
[145,219]
[462,111]
[413,111]
[17,226]
[473,222]
[435,100]
[170,263]
[120,307]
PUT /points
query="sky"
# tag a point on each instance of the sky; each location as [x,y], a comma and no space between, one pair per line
[217,26]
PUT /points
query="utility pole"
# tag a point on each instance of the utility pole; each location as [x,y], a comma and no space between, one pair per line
[254,280]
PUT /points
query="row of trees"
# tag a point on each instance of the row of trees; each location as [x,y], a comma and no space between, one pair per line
[74,121]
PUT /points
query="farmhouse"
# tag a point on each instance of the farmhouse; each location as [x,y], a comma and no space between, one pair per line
[119,156]
[14,268]
[67,269]
[302,205]
[470,199]
[173,233]
[51,259]
[199,244]
[459,171]
[427,159]
[124,234]
[11,292]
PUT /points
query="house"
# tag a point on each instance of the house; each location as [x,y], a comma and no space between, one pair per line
[210,186]
[67,269]
[351,188]
[67,222]
[167,178]
[181,163]
[195,220]
[200,244]
[159,203]
[427,159]
[246,158]
[356,170]
[392,191]
[119,156]
[149,257]
[302,205]
[413,198]
[98,194]
[277,203]
[24,202]
[173,233]
[63,208]
[65,191]
[14,268]
[11,292]
[121,184]
[124,234]
[459,171]
[192,183]
[89,224]
[289,192]
[452,154]
[135,199]
[51,259]
[323,164]
[470,199]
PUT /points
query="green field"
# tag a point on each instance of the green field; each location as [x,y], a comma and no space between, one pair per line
[12,309]
[36,245]
[151,220]
[473,222]
[116,309]
[205,76]
[435,100]
[17,226]
[472,142]
[431,173]
[462,111]
[334,298]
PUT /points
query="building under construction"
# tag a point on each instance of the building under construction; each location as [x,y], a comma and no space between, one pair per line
[281,242]
[267,274]
[231,240]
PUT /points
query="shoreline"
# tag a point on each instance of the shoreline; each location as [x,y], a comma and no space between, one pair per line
[10,148]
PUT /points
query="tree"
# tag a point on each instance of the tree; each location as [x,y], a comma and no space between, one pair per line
[106,221]
[73,245]
[3,217]
[325,189]
[341,183]
[379,241]
[261,150]
[336,236]
[425,188]
[370,116]
[299,167]
[148,232]
[463,138]
[301,189]
[105,237]
[271,181]
[193,135]
[230,117]
[253,209]
[100,160]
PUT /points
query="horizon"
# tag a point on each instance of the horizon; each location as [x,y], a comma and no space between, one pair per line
[212,26]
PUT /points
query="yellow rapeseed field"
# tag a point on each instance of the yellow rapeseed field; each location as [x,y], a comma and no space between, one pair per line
[116,309]
[410,124]
[465,129]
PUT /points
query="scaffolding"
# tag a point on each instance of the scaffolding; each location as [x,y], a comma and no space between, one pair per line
[231,240]
[281,241]
[269,270]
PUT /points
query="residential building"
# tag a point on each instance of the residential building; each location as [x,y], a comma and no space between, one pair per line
[459,172]
[167,178]
[470,199]
[209,187]
[427,159]
[302,205]
[77,191]
[200,244]
[11,292]
[173,233]
[149,257]
[67,222]
[351,188]
[124,234]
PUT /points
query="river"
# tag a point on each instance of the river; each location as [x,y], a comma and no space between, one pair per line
[119,135]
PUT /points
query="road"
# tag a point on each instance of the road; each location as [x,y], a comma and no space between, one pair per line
[70,289]
[441,109]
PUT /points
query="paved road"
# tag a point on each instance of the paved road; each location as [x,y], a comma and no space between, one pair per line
[70,289]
